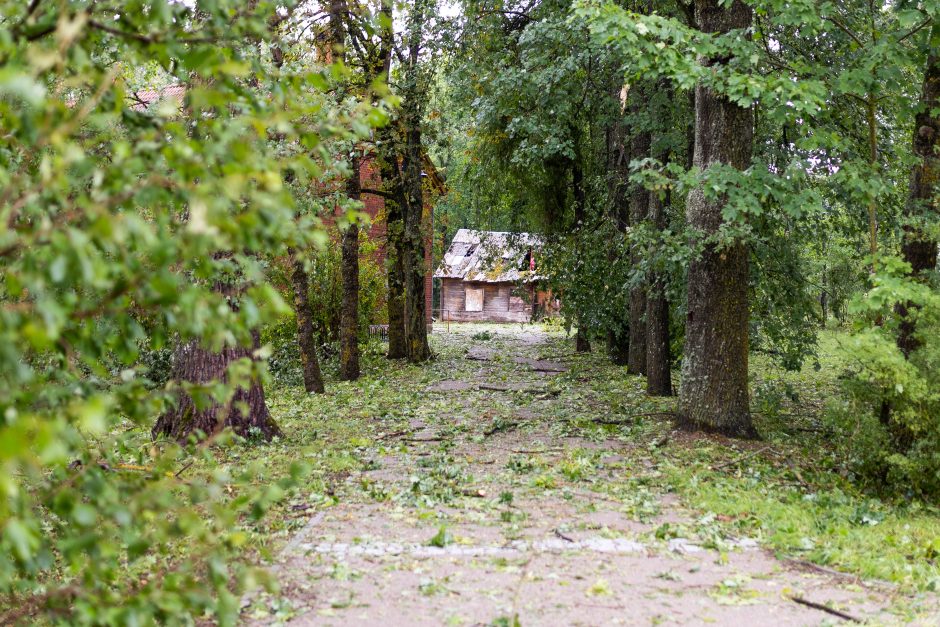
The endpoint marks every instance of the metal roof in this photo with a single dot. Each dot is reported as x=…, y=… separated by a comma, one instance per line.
x=488, y=257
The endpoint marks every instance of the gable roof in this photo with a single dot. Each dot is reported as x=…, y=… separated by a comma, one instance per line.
x=488, y=256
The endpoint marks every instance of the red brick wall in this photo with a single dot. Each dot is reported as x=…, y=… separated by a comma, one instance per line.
x=374, y=206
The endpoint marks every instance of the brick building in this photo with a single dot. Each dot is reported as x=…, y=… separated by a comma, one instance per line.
x=374, y=206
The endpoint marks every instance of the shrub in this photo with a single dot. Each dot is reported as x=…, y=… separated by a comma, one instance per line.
x=889, y=416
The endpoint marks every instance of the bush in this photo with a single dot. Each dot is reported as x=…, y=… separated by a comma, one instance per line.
x=890, y=412
x=326, y=294
x=121, y=223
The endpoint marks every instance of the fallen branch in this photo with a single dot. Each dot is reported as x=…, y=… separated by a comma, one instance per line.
x=821, y=569
x=607, y=421
x=498, y=427
x=506, y=388
x=738, y=460
x=394, y=434
x=825, y=608
x=474, y=357
x=562, y=536
x=183, y=469
x=434, y=439
x=523, y=451
x=870, y=583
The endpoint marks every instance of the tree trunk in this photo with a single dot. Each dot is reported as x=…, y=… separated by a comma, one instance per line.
x=581, y=342
x=349, y=312
x=306, y=341
x=416, y=327
x=246, y=414
x=639, y=208
x=714, y=392
x=618, y=175
x=387, y=149
x=918, y=247
x=658, y=362
x=416, y=319
x=394, y=261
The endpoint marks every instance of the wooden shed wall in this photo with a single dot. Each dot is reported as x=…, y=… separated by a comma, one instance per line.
x=499, y=305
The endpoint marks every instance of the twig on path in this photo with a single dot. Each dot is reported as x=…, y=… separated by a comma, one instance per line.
x=183, y=469
x=507, y=388
x=498, y=426
x=738, y=460
x=869, y=583
x=825, y=608
x=522, y=451
x=395, y=434
x=654, y=413
x=661, y=441
x=613, y=421
x=822, y=569
x=562, y=536
x=433, y=439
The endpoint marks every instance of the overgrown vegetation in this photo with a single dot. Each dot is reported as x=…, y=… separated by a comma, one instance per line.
x=738, y=201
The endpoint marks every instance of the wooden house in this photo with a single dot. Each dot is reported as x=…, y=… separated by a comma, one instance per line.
x=490, y=276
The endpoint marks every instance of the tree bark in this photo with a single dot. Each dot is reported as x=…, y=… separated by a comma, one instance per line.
x=714, y=392
x=388, y=161
x=306, y=340
x=582, y=343
x=349, y=313
x=918, y=248
x=658, y=361
x=394, y=256
x=246, y=414
x=618, y=175
x=416, y=326
x=639, y=209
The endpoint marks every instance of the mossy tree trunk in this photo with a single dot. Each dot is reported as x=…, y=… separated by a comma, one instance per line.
x=714, y=392
x=618, y=173
x=246, y=414
x=582, y=343
x=416, y=329
x=306, y=338
x=394, y=263
x=639, y=209
x=918, y=247
x=349, y=312
x=658, y=362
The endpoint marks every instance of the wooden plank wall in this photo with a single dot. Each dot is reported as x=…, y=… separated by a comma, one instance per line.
x=498, y=303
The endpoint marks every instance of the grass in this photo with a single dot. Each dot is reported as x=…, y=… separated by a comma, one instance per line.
x=791, y=491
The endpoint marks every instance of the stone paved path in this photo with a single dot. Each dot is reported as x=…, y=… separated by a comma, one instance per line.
x=458, y=522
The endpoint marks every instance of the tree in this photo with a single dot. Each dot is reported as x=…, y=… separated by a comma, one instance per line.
x=349, y=314
x=658, y=357
x=714, y=391
x=306, y=337
x=639, y=211
x=918, y=246
x=618, y=176
x=407, y=159
x=144, y=193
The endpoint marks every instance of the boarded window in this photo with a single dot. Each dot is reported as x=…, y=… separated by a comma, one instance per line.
x=474, y=300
